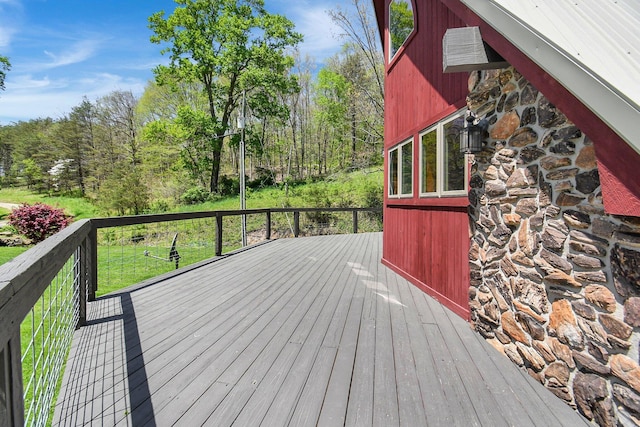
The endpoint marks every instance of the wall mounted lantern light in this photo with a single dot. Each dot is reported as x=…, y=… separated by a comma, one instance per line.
x=472, y=135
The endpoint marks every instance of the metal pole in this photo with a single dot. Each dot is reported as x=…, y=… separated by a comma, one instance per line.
x=243, y=203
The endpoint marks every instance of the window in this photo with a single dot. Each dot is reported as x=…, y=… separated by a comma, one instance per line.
x=401, y=170
x=401, y=24
x=443, y=168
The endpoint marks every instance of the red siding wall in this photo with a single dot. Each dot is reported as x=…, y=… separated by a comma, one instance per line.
x=430, y=247
x=426, y=240
x=417, y=93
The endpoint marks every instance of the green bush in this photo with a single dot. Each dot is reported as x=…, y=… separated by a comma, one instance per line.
x=194, y=196
x=264, y=178
x=159, y=206
x=228, y=186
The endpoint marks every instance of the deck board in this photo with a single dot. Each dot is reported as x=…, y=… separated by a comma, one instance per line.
x=296, y=332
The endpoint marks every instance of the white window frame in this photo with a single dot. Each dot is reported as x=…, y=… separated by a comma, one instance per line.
x=399, y=149
x=440, y=169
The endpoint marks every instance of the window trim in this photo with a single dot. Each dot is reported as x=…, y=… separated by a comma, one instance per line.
x=399, y=171
x=440, y=170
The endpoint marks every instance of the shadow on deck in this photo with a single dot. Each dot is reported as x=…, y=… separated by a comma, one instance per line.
x=300, y=332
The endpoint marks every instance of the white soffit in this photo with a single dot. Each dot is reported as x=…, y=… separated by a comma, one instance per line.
x=592, y=47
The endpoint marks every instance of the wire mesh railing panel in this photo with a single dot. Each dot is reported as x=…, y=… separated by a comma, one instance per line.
x=322, y=223
x=133, y=253
x=282, y=225
x=232, y=226
x=369, y=222
x=256, y=228
x=45, y=336
x=319, y=222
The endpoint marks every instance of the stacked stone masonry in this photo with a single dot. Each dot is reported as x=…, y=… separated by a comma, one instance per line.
x=555, y=280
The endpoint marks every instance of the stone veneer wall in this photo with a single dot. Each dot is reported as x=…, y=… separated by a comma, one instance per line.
x=555, y=281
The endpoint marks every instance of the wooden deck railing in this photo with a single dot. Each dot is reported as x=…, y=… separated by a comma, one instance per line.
x=52, y=283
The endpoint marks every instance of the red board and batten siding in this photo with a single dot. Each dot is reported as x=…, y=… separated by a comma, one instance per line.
x=426, y=240
x=430, y=247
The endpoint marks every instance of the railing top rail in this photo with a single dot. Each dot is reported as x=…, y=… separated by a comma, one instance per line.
x=24, y=278
x=325, y=209
x=118, y=221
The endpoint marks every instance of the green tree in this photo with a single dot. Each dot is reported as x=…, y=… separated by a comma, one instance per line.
x=32, y=173
x=360, y=29
x=6, y=157
x=161, y=102
x=193, y=129
x=81, y=147
x=117, y=114
x=33, y=141
x=332, y=108
x=5, y=66
x=124, y=191
x=75, y=142
x=163, y=166
x=361, y=63
x=229, y=46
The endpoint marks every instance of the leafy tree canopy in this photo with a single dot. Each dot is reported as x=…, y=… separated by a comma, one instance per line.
x=5, y=66
x=228, y=46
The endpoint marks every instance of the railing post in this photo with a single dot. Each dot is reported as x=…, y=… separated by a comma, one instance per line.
x=6, y=418
x=81, y=281
x=15, y=399
x=92, y=263
x=268, y=225
x=218, y=234
x=355, y=222
x=296, y=223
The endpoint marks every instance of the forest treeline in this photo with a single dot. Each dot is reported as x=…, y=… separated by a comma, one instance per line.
x=179, y=140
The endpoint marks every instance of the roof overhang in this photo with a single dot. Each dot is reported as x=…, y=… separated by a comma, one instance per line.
x=613, y=107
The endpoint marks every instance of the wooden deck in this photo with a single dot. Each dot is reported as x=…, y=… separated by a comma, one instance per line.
x=295, y=332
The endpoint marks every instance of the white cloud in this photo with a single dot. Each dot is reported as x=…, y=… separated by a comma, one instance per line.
x=76, y=53
x=319, y=31
x=10, y=16
x=27, y=82
x=311, y=19
x=29, y=98
x=5, y=35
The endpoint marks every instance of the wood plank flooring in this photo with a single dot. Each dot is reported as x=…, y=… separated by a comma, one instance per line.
x=295, y=332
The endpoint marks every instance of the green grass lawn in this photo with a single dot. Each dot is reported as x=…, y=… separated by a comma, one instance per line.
x=78, y=208
x=9, y=252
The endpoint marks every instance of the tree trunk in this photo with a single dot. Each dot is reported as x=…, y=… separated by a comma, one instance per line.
x=215, y=171
x=81, y=178
x=353, y=137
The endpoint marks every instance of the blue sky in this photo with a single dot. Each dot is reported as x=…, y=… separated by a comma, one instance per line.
x=62, y=50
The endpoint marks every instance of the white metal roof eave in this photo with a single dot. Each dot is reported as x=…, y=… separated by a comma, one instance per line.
x=620, y=113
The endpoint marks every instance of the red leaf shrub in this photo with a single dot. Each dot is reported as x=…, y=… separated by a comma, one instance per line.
x=38, y=221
